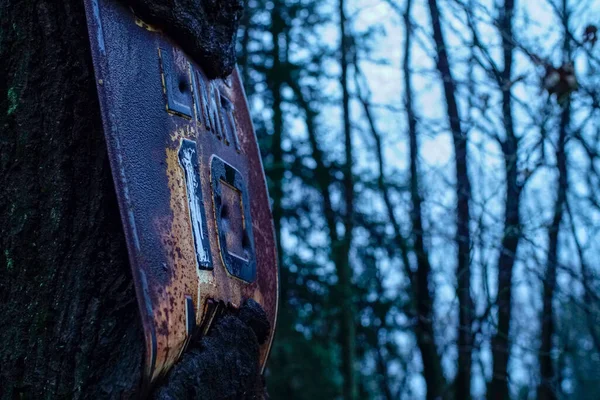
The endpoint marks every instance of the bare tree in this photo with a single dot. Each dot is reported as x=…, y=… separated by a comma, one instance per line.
x=342, y=253
x=463, y=196
x=548, y=388
x=512, y=222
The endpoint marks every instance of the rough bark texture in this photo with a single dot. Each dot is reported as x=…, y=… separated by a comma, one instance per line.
x=205, y=29
x=67, y=305
x=69, y=317
x=223, y=365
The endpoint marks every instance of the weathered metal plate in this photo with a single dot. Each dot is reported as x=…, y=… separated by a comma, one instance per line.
x=189, y=181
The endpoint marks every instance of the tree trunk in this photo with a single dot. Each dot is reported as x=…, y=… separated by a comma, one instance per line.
x=71, y=325
x=421, y=294
x=512, y=223
x=548, y=387
x=463, y=196
x=276, y=83
x=432, y=365
x=342, y=252
x=70, y=319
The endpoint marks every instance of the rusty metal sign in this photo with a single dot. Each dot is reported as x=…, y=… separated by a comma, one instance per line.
x=189, y=181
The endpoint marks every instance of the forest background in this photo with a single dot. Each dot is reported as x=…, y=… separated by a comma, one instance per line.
x=434, y=173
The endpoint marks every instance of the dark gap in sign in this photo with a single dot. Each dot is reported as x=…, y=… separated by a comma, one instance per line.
x=182, y=85
x=190, y=313
x=232, y=215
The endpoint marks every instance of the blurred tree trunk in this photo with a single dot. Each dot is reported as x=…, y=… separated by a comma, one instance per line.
x=512, y=223
x=424, y=292
x=463, y=197
x=381, y=361
x=342, y=249
x=401, y=241
x=276, y=78
x=549, y=386
x=324, y=181
x=421, y=300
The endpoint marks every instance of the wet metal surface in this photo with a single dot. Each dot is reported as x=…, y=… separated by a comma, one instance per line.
x=189, y=181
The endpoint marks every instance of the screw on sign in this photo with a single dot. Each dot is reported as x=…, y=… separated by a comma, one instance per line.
x=189, y=181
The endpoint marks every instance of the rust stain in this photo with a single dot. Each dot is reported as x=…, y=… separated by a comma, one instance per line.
x=177, y=241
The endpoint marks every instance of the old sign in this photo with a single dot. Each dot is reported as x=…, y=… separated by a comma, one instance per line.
x=189, y=181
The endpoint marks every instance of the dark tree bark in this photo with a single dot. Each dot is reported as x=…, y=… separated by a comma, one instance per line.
x=68, y=309
x=224, y=364
x=69, y=317
x=205, y=29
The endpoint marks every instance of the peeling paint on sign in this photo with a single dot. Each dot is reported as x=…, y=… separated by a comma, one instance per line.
x=188, y=159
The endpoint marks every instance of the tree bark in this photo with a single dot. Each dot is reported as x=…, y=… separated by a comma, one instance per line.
x=205, y=29
x=70, y=319
x=71, y=325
